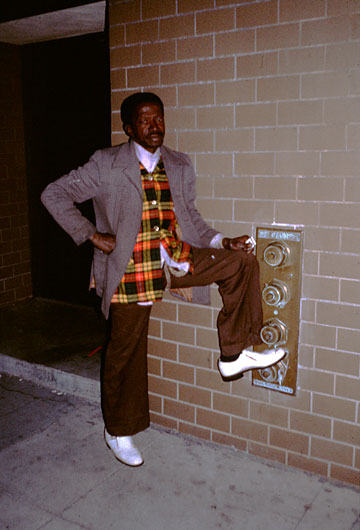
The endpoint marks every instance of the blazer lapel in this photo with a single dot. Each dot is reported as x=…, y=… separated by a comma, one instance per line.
x=174, y=171
x=127, y=162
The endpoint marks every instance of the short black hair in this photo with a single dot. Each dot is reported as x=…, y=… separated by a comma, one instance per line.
x=131, y=103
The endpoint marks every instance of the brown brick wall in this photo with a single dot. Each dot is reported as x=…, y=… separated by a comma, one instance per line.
x=265, y=97
x=15, y=272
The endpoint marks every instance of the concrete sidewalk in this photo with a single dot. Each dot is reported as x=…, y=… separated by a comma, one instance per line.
x=57, y=474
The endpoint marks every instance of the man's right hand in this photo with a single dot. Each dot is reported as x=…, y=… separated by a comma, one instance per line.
x=237, y=243
x=104, y=242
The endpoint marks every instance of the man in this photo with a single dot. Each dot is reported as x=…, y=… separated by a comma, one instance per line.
x=148, y=234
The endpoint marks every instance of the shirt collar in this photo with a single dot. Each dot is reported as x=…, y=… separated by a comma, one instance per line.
x=148, y=160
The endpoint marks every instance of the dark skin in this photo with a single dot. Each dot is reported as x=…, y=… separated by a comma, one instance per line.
x=237, y=243
x=148, y=130
x=104, y=242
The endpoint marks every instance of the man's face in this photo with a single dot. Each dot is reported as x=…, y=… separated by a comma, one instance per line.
x=147, y=127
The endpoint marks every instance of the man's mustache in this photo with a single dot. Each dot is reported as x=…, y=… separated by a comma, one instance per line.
x=158, y=133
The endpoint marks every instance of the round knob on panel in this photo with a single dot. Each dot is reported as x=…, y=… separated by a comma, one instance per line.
x=276, y=254
x=271, y=295
x=276, y=293
x=270, y=335
x=269, y=374
x=274, y=332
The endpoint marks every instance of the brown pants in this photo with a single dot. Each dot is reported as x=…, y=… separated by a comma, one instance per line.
x=124, y=387
x=124, y=383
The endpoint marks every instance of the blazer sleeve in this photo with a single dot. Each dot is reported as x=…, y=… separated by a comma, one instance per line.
x=60, y=196
x=205, y=231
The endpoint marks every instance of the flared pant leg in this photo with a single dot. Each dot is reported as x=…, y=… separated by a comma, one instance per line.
x=124, y=380
x=237, y=275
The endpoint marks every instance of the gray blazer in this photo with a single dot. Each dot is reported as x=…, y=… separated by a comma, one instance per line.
x=112, y=180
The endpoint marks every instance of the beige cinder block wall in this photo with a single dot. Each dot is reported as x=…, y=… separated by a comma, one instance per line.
x=265, y=97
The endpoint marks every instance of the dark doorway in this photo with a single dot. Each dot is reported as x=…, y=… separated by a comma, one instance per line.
x=67, y=117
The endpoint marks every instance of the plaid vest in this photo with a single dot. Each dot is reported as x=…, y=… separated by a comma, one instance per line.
x=143, y=280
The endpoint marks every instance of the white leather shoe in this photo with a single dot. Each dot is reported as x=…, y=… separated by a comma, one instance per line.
x=249, y=360
x=124, y=449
